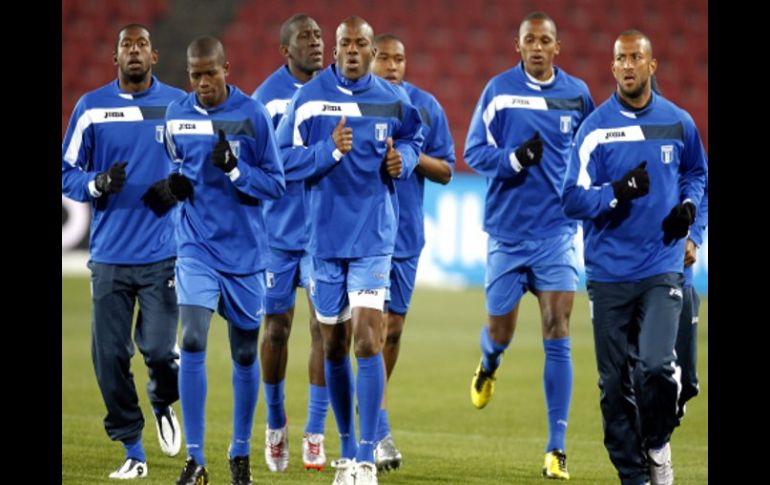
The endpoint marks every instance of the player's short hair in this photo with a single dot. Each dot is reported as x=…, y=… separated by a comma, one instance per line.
x=537, y=15
x=387, y=37
x=636, y=33
x=131, y=26
x=206, y=46
x=287, y=28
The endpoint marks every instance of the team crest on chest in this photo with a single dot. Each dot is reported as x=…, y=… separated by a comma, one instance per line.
x=667, y=153
x=565, y=124
x=159, y=133
x=380, y=131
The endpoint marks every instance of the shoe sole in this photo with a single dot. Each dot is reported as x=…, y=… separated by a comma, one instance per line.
x=310, y=466
x=390, y=465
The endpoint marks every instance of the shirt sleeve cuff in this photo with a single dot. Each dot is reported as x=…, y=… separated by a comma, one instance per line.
x=337, y=155
x=234, y=174
x=515, y=165
x=92, y=189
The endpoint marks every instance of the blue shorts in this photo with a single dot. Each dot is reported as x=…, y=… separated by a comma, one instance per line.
x=240, y=299
x=333, y=279
x=403, y=272
x=539, y=264
x=286, y=271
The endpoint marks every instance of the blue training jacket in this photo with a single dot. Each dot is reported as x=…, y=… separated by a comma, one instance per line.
x=438, y=143
x=526, y=205
x=353, y=208
x=222, y=224
x=696, y=231
x=285, y=217
x=109, y=125
x=624, y=242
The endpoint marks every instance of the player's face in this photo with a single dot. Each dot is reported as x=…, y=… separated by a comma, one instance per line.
x=306, y=47
x=538, y=46
x=207, y=77
x=633, y=65
x=390, y=61
x=134, y=55
x=354, y=51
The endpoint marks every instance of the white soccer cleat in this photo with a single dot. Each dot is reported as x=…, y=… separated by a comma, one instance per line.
x=661, y=470
x=277, y=449
x=345, y=474
x=366, y=473
x=130, y=469
x=386, y=455
x=169, y=432
x=313, y=453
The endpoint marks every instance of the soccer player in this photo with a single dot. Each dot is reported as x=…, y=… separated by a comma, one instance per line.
x=436, y=163
x=350, y=134
x=519, y=138
x=687, y=334
x=115, y=135
x=636, y=176
x=227, y=162
x=288, y=264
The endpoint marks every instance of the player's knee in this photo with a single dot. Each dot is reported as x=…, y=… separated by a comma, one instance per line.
x=367, y=347
x=244, y=355
x=394, y=335
x=277, y=330
x=158, y=355
x=334, y=349
x=192, y=340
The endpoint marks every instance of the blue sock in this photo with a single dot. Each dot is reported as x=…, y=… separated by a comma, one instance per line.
x=557, y=381
x=317, y=407
x=274, y=397
x=383, y=426
x=370, y=385
x=491, y=350
x=135, y=450
x=339, y=383
x=245, y=394
x=192, y=397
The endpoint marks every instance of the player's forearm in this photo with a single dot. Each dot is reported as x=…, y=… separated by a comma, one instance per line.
x=434, y=169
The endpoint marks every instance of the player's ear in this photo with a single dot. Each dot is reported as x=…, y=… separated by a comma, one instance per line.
x=334, y=53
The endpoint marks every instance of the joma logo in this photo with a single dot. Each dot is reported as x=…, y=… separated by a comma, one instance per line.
x=331, y=107
x=186, y=126
x=114, y=114
x=614, y=134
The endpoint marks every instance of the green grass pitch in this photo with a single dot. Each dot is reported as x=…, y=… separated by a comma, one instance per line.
x=443, y=438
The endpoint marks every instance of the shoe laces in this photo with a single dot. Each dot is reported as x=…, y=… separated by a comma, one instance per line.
x=562, y=460
x=313, y=448
x=481, y=377
x=239, y=468
x=276, y=445
x=188, y=471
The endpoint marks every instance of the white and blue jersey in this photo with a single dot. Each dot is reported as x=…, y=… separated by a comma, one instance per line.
x=624, y=242
x=438, y=143
x=222, y=223
x=109, y=125
x=525, y=205
x=284, y=216
x=353, y=209
x=696, y=231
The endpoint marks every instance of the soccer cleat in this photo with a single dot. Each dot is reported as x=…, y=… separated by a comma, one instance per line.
x=169, y=432
x=277, y=449
x=345, y=474
x=366, y=474
x=555, y=465
x=193, y=474
x=240, y=470
x=313, y=454
x=661, y=470
x=130, y=469
x=386, y=455
x=482, y=387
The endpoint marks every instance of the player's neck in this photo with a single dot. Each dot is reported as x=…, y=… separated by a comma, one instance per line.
x=637, y=103
x=135, y=87
x=299, y=74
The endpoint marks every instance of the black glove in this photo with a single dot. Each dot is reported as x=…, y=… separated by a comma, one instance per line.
x=530, y=152
x=159, y=197
x=223, y=157
x=677, y=223
x=113, y=179
x=180, y=186
x=635, y=183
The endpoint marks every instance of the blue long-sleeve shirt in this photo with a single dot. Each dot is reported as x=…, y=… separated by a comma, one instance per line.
x=109, y=125
x=222, y=224
x=525, y=204
x=284, y=216
x=352, y=203
x=438, y=143
x=696, y=231
x=625, y=242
